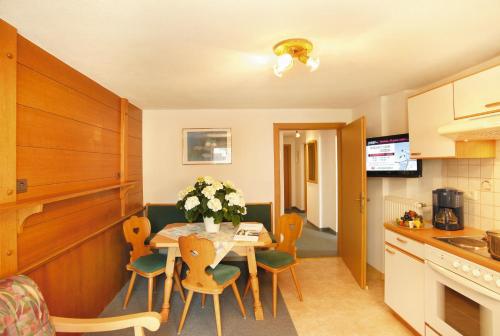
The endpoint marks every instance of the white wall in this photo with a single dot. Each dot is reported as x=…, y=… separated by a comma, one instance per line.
x=252, y=168
x=387, y=115
x=322, y=196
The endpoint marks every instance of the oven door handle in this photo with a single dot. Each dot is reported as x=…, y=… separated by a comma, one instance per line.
x=464, y=282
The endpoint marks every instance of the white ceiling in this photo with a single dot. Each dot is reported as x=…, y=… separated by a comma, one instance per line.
x=217, y=54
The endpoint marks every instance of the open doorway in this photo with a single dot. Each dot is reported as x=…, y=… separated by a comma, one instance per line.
x=310, y=188
x=351, y=183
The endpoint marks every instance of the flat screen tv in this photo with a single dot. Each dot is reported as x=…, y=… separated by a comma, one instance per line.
x=389, y=156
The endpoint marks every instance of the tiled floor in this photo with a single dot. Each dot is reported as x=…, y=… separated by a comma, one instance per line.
x=335, y=305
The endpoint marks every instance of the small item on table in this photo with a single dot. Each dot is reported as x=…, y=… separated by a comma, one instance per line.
x=411, y=220
x=248, y=232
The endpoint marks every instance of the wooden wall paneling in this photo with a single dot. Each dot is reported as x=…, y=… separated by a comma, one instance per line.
x=38, y=91
x=43, y=166
x=124, y=153
x=37, y=128
x=134, y=157
x=64, y=230
x=34, y=57
x=42, y=191
x=134, y=112
x=135, y=166
x=135, y=128
x=134, y=146
x=83, y=281
x=55, y=210
x=8, y=225
x=71, y=136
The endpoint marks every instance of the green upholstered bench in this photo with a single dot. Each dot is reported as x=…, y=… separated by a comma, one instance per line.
x=162, y=214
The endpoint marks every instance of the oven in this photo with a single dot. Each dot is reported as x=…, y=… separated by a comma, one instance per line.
x=461, y=298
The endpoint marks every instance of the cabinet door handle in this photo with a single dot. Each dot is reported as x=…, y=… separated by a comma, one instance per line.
x=492, y=104
x=401, y=240
x=390, y=251
x=416, y=153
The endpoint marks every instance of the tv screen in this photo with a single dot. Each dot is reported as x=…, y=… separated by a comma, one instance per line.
x=389, y=156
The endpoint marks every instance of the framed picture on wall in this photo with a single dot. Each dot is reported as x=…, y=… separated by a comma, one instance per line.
x=206, y=146
x=312, y=161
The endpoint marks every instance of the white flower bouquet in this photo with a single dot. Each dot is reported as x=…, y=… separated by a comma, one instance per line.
x=212, y=200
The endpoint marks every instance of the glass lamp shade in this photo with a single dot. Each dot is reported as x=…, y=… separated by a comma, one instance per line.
x=284, y=63
x=312, y=63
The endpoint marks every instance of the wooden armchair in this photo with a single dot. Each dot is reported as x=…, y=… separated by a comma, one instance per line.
x=142, y=260
x=284, y=256
x=23, y=311
x=198, y=254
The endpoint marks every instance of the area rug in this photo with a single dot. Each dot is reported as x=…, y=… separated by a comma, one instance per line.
x=201, y=321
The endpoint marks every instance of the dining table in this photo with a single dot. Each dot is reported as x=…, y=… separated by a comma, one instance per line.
x=239, y=248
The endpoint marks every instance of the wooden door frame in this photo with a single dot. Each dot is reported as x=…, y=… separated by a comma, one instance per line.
x=289, y=146
x=304, y=194
x=277, y=128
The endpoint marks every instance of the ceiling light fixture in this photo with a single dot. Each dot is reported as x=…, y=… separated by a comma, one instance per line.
x=289, y=49
x=297, y=134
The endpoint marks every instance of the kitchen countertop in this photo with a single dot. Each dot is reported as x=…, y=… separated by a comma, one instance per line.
x=426, y=236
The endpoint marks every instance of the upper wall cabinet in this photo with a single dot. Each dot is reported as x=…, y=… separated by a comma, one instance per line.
x=426, y=113
x=478, y=94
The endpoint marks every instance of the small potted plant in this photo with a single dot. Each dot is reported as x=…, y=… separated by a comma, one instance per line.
x=212, y=200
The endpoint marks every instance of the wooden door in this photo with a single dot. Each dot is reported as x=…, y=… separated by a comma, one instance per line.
x=352, y=230
x=287, y=174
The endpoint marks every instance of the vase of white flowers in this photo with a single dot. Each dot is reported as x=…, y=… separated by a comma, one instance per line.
x=212, y=200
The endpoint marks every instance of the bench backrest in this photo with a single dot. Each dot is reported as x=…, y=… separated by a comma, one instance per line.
x=162, y=214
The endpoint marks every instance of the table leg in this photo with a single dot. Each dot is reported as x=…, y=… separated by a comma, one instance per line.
x=252, y=268
x=169, y=272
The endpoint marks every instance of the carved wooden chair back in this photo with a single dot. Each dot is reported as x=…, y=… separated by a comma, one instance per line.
x=198, y=254
x=136, y=231
x=290, y=232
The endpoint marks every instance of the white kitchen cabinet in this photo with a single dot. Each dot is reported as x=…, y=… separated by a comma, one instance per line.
x=404, y=287
x=426, y=113
x=478, y=94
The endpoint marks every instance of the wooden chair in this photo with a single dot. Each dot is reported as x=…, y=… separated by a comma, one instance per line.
x=283, y=257
x=23, y=311
x=142, y=260
x=199, y=254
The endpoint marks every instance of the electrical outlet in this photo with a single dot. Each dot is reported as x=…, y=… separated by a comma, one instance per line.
x=21, y=186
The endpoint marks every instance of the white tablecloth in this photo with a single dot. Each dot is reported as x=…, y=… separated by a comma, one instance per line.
x=222, y=240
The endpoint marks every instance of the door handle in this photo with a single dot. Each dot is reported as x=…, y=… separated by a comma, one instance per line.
x=401, y=240
x=492, y=104
x=361, y=199
x=390, y=251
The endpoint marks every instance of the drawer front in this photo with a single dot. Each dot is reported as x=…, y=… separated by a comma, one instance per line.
x=409, y=245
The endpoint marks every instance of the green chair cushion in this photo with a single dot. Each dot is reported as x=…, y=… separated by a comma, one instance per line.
x=150, y=263
x=273, y=258
x=223, y=273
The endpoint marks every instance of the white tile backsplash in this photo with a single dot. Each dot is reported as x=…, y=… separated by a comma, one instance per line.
x=482, y=176
x=474, y=171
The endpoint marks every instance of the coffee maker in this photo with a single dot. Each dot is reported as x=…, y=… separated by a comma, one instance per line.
x=448, y=209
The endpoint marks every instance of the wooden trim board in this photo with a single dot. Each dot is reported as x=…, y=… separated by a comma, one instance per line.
x=8, y=117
